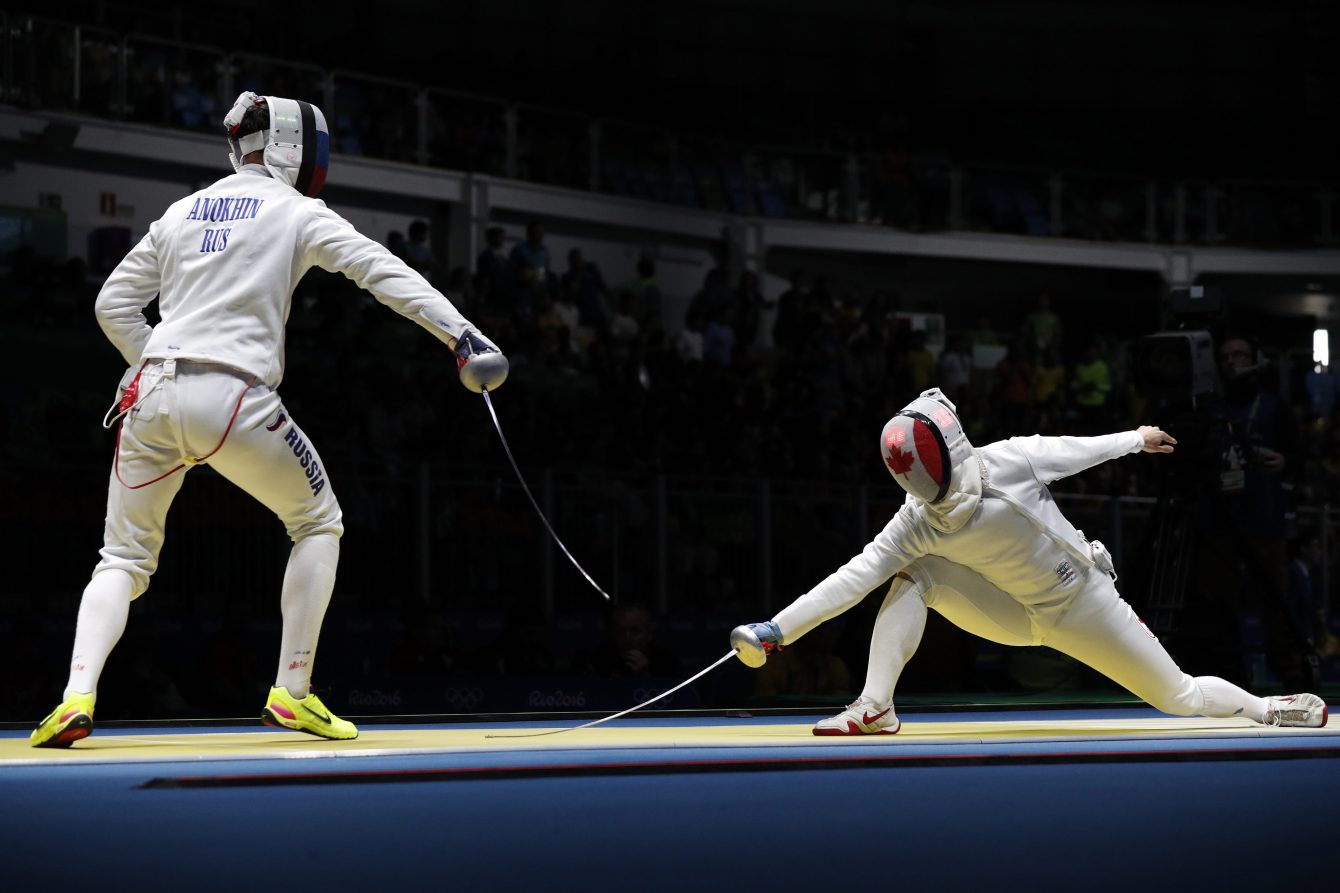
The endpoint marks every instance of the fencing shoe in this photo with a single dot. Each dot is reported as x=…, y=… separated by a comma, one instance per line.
x=1303, y=711
x=65, y=725
x=864, y=717
x=753, y=642
x=283, y=711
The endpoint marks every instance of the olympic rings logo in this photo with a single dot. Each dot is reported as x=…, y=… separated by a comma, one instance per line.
x=463, y=698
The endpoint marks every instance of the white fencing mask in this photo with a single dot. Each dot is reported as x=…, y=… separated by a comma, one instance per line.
x=296, y=145
x=928, y=454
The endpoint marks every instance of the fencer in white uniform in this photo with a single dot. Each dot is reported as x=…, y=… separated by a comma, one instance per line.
x=201, y=388
x=980, y=540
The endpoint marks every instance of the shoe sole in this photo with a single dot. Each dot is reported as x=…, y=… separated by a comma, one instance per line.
x=852, y=730
x=270, y=719
x=1325, y=718
x=80, y=727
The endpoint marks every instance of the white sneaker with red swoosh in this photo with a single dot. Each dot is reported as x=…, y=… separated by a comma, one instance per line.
x=864, y=717
x=1304, y=711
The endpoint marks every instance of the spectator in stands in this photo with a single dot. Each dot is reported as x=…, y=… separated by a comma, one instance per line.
x=1260, y=462
x=786, y=331
x=689, y=340
x=918, y=362
x=547, y=321
x=714, y=293
x=99, y=82
x=868, y=350
x=345, y=138
x=491, y=264
x=1306, y=607
x=1048, y=389
x=719, y=338
x=460, y=291
x=629, y=648
x=747, y=307
x=191, y=107
x=767, y=323
x=395, y=243
x=1042, y=327
x=645, y=306
x=529, y=263
x=623, y=326
x=955, y=369
x=984, y=334
x=820, y=309
x=565, y=308
x=1014, y=390
x=584, y=282
x=1090, y=385
x=1307, y=603
x=418, y=253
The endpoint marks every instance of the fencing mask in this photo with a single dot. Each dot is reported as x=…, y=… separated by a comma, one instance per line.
x=928, y=454
x=296, y=144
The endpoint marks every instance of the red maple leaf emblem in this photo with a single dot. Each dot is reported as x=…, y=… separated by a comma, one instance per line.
x=900, y=461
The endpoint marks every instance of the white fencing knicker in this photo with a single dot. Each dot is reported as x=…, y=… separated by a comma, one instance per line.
x=191, y=412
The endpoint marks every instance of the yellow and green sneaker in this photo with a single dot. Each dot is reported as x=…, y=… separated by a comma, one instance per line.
x=283, y=711
x=65, y=725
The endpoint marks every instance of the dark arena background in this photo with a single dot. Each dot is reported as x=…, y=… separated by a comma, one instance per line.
x=721, y=244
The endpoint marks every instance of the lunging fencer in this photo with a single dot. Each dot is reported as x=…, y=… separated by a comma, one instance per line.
x=980, y=540
x=201, y=387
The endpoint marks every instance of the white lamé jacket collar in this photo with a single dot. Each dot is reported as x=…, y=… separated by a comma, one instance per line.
x=959, y=504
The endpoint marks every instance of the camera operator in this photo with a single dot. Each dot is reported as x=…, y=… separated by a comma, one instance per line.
x=1245, y=548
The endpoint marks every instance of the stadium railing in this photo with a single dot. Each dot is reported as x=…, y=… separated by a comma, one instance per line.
x=63, y=67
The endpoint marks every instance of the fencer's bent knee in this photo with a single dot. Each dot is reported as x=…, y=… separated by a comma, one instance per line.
x=330, y=521
x=139, y=579
x=136, y=563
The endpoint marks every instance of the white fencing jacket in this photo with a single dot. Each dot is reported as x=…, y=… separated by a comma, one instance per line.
x=1017, y=538
x=224, y=262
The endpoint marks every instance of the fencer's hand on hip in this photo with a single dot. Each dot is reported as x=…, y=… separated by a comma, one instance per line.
x=482, y=365
x=1156, y=439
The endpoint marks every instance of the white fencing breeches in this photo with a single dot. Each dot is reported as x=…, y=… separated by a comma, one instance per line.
x=1098, y=629
x=200, y=411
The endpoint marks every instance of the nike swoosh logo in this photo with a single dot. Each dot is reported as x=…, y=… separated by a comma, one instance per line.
x=868, y=719
x=326, y=719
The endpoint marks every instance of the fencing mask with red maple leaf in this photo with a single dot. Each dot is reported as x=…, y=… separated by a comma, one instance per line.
x=928, y=454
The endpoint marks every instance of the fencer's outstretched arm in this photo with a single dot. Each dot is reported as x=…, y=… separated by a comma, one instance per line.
x=1054, y=458
x=901, y=542
x=331, y=243
x=120, y=303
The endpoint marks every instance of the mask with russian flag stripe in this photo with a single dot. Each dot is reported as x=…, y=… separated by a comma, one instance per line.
x=295, y=147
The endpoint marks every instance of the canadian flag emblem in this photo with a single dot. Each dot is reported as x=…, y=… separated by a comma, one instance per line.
x=900, y=461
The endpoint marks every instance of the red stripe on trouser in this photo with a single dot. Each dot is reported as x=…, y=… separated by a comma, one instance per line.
x=116, y=460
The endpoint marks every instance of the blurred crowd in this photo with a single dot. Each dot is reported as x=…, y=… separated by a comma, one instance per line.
x=610, y=375
x=889, y=171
